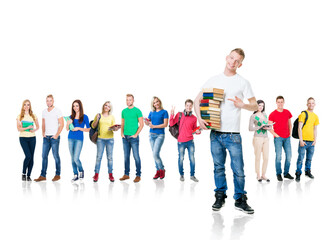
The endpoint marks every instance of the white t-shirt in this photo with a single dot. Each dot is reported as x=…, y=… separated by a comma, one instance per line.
x=233, y=86
x=51, y=121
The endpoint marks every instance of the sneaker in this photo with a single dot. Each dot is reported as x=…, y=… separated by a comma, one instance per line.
x=75, y=178
x=124, y=177
x=96, y=177
x=28, y=179
x=194, y=178
x=81, y=175
x=55, y=178
x=111, y=177
x=40, y=178
x=298, y=177
x=157, y=175
x=279, y=177
x=182, y=178
x=24, y=177
x=220, y=201
x=288, y=176
x=137, y=179
x=162, y=173
x=241, y=204
x=308, y=174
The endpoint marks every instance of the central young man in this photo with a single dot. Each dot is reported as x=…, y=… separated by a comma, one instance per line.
x=130, y=130
x=236, y=88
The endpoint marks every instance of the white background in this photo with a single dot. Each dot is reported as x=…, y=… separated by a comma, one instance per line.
x=102, y=50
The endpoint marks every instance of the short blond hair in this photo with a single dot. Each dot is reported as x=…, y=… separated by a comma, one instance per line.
x=49, y=96
x=130, y=95
x=240, y=52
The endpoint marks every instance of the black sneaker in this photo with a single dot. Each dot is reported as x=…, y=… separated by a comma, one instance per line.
x=28, y=179
x=241, y=204
x=288, y=176
x=220, y=201
x=308, y=173
x=24, y=177
x=279, y=177
x=298, y=177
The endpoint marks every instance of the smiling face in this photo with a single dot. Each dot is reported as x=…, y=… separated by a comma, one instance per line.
x=49, y=102
x=233, y=61
x=280, y=104
x=310, y=104
x=189, y=106
x=26, y=106
x=260, y=107
x=156, y=104
x=129, y=101
x=106, y=107
x=76, y=107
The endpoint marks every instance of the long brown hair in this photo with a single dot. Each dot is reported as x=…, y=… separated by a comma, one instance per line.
x=30, y=110
x=81, y=111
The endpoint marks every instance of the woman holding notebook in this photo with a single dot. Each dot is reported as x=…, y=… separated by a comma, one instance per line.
x=26, y=123
x=258, y=123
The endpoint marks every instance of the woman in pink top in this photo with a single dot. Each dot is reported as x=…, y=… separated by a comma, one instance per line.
x=188, y=124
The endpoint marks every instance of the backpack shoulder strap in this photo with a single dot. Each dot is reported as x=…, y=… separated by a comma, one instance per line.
x=306, y=117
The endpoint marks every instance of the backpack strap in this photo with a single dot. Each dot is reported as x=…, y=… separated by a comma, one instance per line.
x=306, y=118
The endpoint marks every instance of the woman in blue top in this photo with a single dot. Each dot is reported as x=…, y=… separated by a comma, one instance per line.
x=75, y=137
x=157, y=120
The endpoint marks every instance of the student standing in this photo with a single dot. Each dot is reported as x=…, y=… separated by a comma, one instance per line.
x=185, y=140
x=25, y=125
x=257, y=121
x=131, y=117
x=282, y=132
x=52, y=125
x=76, y=137
x=228, y=137
x=157, y=121
x=307, y=139
x=105, y=140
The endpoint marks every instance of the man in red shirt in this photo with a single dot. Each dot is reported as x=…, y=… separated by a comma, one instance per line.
x=185, y=140
x=282, y=132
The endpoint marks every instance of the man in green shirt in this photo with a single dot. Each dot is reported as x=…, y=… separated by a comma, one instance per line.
x=130, y=130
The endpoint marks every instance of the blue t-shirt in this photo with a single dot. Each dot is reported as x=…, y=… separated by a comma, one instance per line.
x=78, y=135
x=157, y=118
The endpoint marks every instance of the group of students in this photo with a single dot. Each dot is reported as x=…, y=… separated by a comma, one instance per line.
x=279, y=124
x=78, y=123
x=227, y=138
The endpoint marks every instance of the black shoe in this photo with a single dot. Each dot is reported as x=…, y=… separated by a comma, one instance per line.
x=298, y=177
x=288, y=176
x=28, y=179
x=279, y=177
x=220, y=201
x=241, y=204
x=24, y=177
x=308, y=173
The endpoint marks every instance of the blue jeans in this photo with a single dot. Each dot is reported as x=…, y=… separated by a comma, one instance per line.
x=182, y=146
x=75, y=147
x=48, y=143
x=220, y=142
x=285, y=143
x=28, y=145
x=109, y=145
x=156, y=141
x=309, y=149
x=128, y=144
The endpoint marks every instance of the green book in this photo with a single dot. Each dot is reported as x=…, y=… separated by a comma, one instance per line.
x=71, y=125
x=27, y=124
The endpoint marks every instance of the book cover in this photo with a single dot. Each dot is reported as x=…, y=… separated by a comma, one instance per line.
x=71, y=126
x=210, y=109
x=27, y=124
x=210, y=101
x=213, y=90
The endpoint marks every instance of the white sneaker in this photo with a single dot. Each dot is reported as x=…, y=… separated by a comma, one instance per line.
x=194, y=178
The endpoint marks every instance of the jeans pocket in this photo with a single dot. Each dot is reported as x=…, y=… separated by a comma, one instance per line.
x=236, y=138
x=212, y=135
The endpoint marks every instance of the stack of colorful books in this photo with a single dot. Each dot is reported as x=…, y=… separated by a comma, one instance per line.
x=210, y=106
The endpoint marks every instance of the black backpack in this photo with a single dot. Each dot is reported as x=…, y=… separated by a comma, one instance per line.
x=295, y=126
x=94, y=132
x=174, y=130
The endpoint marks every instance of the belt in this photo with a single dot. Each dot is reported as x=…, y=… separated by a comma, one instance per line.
x=226, y=132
